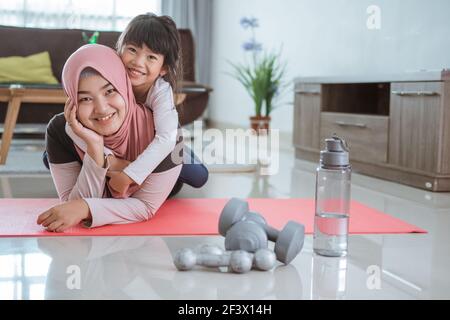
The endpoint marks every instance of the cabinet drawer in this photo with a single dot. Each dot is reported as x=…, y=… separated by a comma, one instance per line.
x=307, y=115
x=366, y=135
x=416, y=90
x=415, y=114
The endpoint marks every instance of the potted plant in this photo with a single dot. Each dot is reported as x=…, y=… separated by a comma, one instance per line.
x=261, y=77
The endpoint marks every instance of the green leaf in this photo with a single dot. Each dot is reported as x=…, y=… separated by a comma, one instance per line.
x=261, y=79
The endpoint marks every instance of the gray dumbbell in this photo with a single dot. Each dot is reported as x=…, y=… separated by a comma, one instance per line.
x=242, y=230
x=238, y=261
x=209, y=249
x=263, y=259
x=246, y=235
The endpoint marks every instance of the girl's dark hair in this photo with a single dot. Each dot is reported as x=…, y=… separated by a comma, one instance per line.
x=159, y=34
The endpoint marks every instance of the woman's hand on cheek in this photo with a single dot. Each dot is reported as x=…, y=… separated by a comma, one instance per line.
x=67, y=109
x=64, y=216
x=89, y=136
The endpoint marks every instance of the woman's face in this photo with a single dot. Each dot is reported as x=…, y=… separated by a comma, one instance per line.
x=100, y=107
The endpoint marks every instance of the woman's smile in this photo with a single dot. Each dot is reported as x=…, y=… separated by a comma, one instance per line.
x=105, y=119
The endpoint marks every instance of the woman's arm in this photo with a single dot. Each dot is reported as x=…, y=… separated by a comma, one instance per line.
x=73, y=178
x=80, y=142
x=97, y=211
x=94, y=141
x=74, y=181
x=82, y=204
x=141, y=206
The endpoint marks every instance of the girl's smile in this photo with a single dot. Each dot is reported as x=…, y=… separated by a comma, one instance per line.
x=133, y=72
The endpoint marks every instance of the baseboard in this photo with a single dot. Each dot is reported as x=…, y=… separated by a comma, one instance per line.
x=27, y=131
x=27, y=128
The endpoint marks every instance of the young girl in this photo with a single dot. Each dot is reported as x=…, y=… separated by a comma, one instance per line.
x=150, y=49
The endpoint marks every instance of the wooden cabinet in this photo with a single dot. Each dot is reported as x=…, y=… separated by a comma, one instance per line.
x=397, y=127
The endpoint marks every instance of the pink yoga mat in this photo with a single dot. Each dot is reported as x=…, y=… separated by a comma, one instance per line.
x=193, y=217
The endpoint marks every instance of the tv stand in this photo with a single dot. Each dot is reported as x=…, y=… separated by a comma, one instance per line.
x=397, y=126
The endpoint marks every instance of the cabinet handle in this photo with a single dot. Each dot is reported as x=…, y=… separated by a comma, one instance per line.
x=345, y=124
x=415, y=93
x=314, y=93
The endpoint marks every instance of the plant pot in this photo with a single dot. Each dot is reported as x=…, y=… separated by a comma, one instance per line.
x=260, y=124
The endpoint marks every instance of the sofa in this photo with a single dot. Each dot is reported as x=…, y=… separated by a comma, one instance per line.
x=61, y=43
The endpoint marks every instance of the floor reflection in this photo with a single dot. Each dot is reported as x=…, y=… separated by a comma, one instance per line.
x=23, y=276
x=142, y=268
x=328, y=278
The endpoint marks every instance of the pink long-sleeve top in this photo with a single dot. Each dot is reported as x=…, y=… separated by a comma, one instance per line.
x=84, y=179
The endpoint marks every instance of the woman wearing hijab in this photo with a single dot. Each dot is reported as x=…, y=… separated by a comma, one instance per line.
x=105, y=116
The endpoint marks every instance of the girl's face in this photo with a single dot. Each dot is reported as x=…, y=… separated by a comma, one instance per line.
x=143, y=65
x=100, y=107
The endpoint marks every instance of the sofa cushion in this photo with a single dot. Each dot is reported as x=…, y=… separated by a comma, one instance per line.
x=35, y=68
x=61, y=43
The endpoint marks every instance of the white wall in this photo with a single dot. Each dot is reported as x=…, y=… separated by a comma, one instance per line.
x=324, y=37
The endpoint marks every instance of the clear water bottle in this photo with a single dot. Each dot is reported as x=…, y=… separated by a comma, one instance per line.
x=329, y=278
x=333, y=182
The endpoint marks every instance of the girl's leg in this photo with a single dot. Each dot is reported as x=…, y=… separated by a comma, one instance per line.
x=193, y=172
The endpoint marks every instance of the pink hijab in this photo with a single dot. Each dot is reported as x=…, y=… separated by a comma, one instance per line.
x=137, y=130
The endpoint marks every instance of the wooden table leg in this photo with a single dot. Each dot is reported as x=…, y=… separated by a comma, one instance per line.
x=6, y=187
x=10, y=124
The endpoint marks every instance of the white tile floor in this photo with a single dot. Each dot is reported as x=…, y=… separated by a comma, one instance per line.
x=410, y=266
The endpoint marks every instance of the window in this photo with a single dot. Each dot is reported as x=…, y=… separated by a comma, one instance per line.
x=98, y=15
x=23, y=275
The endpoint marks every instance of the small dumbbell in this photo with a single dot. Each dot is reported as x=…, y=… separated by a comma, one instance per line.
x=239, y=261
x=249, y=231
x=209, y=249
x=263, y=259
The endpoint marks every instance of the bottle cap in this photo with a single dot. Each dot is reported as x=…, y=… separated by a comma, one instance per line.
x=335, y=153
